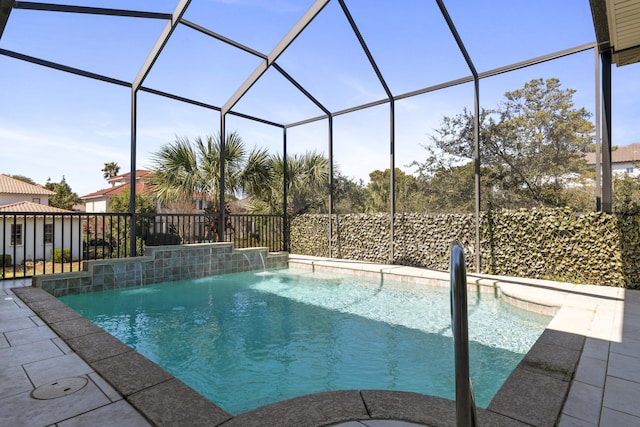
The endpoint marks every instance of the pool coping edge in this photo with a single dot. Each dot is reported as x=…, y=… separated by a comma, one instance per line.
x=548, y=379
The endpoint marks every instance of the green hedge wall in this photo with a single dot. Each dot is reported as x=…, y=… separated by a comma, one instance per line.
x=555, y=244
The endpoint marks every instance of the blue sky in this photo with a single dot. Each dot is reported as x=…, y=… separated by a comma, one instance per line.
x=54, y=124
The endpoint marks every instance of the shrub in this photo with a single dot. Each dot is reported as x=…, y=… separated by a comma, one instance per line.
x=5, y=261
x=161, y=239
x=61, y=255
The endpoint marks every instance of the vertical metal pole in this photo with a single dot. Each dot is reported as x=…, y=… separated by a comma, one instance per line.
x=392, y=178
x=476, y=159
x=598, y=194
x=221, y=189
x=465, y=401
x=285, y=177
x=607, y=199
x=331, y=206
x=132, y=177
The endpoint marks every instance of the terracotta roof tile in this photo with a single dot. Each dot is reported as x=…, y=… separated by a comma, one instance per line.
x=141, y=188
x=10, y=185
x=626, y=154
x=31, y=208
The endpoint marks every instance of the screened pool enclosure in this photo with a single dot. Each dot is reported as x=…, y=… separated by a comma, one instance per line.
x=350, y=78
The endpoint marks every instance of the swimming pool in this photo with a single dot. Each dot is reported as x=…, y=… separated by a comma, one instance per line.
x=246, y=340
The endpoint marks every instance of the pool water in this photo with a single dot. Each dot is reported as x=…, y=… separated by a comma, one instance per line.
x=246, y=340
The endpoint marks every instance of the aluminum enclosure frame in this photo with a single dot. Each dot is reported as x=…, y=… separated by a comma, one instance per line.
x=269, y=61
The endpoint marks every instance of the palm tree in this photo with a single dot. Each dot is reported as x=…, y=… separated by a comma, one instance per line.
x=110, y=170
x=183, y=168
x=307, y=184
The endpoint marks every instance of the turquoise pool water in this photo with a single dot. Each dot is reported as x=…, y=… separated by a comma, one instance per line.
x=247, y=340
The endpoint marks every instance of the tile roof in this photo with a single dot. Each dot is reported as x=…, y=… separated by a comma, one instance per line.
x=31, y=208
x=141, y=174
x=141, y=188
x=10, y=185
x=625, y=154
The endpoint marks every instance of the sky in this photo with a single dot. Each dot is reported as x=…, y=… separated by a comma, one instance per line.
x=54, y=124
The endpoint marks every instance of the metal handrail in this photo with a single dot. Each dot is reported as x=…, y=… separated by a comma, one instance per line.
x=465, y=401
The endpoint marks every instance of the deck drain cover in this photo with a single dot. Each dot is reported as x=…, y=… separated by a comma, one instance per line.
x=59, y=388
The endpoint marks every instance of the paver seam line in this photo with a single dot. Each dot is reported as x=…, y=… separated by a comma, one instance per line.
x=364, y=403
x=606, y=369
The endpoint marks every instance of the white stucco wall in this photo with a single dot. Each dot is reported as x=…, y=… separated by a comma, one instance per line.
x=66, y=235
x=9, y=198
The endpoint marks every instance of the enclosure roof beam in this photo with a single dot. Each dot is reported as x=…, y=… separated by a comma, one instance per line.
x=302, y=23
x=537, y=60
x=89, y=10
x=65, y=68
x=160, y=43
x=456, y=36
x=451, y=83
x=301, y=89
x=107, y=79
x=222, y=38
x=5, y=11
x=365, y=48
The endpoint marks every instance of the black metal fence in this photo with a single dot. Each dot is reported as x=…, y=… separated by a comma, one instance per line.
x=34, y=243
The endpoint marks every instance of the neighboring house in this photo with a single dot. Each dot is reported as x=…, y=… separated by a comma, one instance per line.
x=13, y=191
x=29, y=227
x=99, y=200
x=624, y=161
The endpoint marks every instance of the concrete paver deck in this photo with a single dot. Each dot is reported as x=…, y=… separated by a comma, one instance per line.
x=594, y=340
x=32, y=355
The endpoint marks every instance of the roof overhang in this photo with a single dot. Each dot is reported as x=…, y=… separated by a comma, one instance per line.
x=617, y=27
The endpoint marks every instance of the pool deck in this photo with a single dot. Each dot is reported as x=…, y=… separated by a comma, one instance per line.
x=583, y=371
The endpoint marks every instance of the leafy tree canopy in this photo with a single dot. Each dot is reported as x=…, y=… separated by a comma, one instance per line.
x=144, y=203
x=23, y=179
x=64, y=198
x=531, y=145
x=410, y=196
x=350, y=195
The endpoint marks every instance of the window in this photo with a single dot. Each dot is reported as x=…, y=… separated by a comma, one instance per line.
x=36, y=200
x=48, y=233
x=629, y=169
x=200, y=205
x=16, y=234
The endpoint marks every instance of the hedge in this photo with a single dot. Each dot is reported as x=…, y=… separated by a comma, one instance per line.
x=5, y=261
x=61, y=255
x=555, y=244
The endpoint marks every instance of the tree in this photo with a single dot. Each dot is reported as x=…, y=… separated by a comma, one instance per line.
x=350, y=196
x=531, y=145
x=64, y=198
x=182, y=168
x=110, y=170
x=410, y=195
x=144, y=203
x=23, y=179
x=119, y=240
x=307, y=184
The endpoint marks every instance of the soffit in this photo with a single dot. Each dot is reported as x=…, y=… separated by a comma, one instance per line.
x=617, y=24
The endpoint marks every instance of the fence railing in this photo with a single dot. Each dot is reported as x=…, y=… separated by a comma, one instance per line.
x=38, y=243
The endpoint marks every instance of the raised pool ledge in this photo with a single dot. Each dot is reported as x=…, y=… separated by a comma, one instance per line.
x=160, y=264
x=539, y=392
